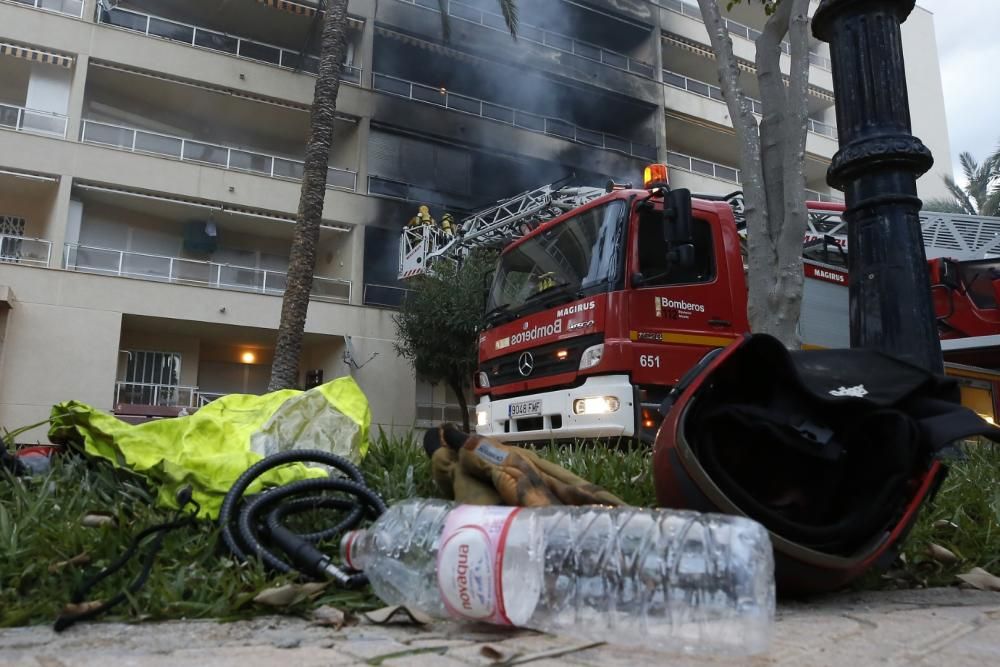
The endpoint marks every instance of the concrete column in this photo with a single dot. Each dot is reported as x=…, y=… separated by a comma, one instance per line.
x=358, y=265
x=58, y=220
x=367, y=9
x=89, y=10
x=77, y=90
x=660, y=120
x=364, y=130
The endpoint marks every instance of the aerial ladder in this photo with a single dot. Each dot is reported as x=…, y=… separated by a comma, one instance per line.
x=960, y=237
x=508, y=220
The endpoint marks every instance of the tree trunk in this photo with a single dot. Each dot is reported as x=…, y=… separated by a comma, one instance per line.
x=785, y=296
x=302, y=260
x=745, y=125
x=456, y=386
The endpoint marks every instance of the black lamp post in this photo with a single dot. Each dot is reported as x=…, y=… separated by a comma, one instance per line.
x=877, y=168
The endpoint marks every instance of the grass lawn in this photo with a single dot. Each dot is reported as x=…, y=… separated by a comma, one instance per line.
x=40, y=529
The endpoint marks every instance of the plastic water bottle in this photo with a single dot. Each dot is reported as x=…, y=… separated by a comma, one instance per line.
x=664, y=579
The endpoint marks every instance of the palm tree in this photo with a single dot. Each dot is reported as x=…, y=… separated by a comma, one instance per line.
x=302, y=259
x=981, y=194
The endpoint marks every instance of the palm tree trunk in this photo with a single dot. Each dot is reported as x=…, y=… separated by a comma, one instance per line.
x=302, y=261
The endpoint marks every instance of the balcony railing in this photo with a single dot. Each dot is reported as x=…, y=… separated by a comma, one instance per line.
x=163, y=395
x=730, y=174
x=688, y=9
x=509, y=116
x=384, y=296
x=33, y=121
x=177, y=270
x=68, y=7
x=189, y=150
x=530, y=33
x=27, y=251
x=704, y=167
x=697, y=87
x=175, y=31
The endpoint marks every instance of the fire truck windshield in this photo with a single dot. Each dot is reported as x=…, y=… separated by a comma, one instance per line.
x=572, y=258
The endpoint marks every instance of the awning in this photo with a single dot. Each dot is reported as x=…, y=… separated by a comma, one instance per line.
x=306, y=10
x=35, y=55
x=287, y=6
x=430, y=46
x=706, y=52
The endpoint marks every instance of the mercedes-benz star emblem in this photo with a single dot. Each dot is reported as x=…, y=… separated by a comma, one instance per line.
x=525, y=364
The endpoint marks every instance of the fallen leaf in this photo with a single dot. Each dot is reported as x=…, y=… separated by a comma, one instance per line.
x=79, y=559
x=289, y=594
x=97, y=520
x=492, y=653
x=328, y=616
x=552, y=653
x=979, y=578
x=387, y=614
x=940, y=554
x=75, y=609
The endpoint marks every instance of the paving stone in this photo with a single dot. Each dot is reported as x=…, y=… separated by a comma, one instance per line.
x=923, y=628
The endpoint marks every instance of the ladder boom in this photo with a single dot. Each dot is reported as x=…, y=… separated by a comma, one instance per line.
x=506, y=221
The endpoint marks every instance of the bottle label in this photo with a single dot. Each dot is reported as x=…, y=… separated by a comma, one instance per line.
x=470, y=562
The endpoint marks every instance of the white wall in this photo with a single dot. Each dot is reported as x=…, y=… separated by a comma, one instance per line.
x=48, y=88
x=927, y=111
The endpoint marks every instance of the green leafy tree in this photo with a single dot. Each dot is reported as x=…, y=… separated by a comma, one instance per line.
x=437, y=327
x=981, y=194
x=302, y=259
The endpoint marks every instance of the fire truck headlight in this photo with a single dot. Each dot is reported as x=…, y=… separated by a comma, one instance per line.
x=482, y=418
x=483, y=380
x=597, y=405
x=591, y=356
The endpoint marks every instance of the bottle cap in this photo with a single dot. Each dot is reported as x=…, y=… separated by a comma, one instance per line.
x=346, y=544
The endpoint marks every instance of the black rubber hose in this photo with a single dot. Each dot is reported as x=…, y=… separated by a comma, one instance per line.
x=254, y=526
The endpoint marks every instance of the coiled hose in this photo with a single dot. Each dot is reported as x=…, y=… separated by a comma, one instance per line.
x=253, y=526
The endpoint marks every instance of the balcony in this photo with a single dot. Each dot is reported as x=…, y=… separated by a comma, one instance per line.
x=212, y=40
x=72, y=8
x=687, y=8
x=703, y=89
x=728, y=174
x=32, y=121
x=197, y=273
x=467, y=12
x=25, y=251
x=509, y=116
x=225, y=157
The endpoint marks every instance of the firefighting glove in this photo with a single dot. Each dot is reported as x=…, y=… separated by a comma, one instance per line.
x=474, y=469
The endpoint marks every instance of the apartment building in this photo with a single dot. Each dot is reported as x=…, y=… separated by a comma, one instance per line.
x=150, y=153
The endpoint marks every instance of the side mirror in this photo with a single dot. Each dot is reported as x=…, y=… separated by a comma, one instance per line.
x=677, y=228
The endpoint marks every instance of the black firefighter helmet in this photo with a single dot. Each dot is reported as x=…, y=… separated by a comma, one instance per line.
x=833, y=451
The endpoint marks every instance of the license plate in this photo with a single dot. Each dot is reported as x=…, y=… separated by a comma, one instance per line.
x=526, y=409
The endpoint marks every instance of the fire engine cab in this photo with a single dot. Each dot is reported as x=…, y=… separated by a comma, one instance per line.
x=603, y=299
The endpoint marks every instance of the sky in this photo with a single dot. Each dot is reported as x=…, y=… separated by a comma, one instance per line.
x=968, y=41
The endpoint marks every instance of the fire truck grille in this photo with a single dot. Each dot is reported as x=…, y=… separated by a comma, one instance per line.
x=552, y=359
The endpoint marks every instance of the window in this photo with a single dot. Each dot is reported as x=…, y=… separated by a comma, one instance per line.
x=653, y=254
x=11, y=232
x=151, y=378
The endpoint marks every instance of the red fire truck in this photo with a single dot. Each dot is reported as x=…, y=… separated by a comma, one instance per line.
x=603, y=299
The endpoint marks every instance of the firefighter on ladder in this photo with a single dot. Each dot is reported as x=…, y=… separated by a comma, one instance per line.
x=423, y=217
x=448, y=227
